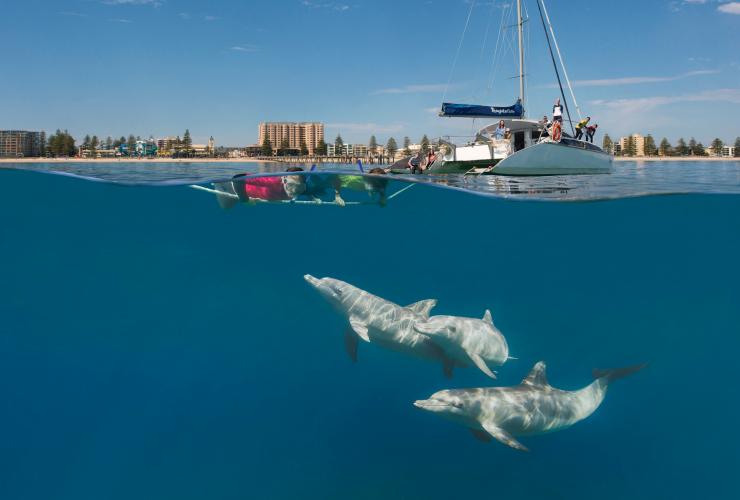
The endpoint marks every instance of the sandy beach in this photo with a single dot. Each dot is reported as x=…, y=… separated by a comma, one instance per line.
x=131, y=160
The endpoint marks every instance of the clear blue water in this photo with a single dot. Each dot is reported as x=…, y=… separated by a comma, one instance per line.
x=155, y=346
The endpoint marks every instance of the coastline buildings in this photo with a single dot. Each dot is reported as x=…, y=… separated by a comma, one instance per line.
x=728, y=152
x=308, y=133
x=353, y=150
x=18, y=143
x=639, y=144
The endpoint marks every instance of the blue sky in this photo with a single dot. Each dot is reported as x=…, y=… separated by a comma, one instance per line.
x=156, y=67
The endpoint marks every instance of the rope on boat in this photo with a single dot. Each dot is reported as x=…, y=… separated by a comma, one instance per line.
x=401, y=191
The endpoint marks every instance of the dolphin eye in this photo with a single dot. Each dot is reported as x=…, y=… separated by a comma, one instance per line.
x=459, y=406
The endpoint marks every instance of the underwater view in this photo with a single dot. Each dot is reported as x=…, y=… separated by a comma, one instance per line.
x=233, y=331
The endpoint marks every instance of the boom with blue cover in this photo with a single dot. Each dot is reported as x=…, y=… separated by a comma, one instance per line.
x=478, y=111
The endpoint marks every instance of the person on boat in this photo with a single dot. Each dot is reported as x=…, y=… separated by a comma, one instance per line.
x=430, y=159
x=580, y=126
x=415, y=163
x=590, y=132
x=500, y=131
x=557, y=111
x=545, y=124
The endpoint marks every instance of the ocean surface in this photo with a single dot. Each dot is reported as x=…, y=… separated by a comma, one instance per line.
x=156, y=346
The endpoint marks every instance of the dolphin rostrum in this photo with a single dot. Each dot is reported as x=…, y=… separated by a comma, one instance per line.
x=379, y=321
x=531, y=408
x=467, y=340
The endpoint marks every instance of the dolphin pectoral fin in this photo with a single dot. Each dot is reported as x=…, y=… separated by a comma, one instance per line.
x=350, y=343
x=504, y=437
x=481, y=365
x=423, y=307
x=481, y=435
x=360, y=329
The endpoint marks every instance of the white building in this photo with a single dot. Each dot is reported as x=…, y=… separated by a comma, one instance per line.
x=728, y=152
x=355, y=150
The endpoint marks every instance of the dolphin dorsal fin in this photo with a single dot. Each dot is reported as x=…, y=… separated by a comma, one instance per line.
x=537, y=376
x=423, y=307
x=487, y=317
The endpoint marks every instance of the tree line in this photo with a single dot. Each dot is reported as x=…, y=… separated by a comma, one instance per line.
x=322, y=148
x=682, y=148
x=61, y=143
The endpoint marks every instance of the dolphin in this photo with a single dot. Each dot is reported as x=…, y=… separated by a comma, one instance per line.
x=531, y=408
x=467, y=340
x=379, y=321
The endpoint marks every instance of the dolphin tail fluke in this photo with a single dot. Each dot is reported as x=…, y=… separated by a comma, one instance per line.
x=617, y=373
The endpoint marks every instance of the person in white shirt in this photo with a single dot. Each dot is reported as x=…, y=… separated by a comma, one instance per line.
x=557, y=111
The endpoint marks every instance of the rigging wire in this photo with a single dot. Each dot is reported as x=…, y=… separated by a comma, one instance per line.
x=459, y=47
x=562, y=64
x=485, y=41
x=555, y=65
x=501, y=41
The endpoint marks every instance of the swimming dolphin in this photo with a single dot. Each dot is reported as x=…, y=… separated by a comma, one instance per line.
x=378, y=321
x=531, y=408
x=467, y=340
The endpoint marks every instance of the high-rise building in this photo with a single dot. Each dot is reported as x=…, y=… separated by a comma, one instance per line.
x=639, y=144
x=295, y=133
x=17, y=143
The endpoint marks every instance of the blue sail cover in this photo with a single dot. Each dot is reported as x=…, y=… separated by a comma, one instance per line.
x=477, y=111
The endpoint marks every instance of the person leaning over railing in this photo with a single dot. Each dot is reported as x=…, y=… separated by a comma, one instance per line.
x=580, y=126
x=590, y=132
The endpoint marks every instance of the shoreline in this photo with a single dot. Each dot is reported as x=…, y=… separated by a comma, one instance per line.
x=673, y=158
x=131, y=160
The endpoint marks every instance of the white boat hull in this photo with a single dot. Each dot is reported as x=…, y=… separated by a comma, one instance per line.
x=568, y=157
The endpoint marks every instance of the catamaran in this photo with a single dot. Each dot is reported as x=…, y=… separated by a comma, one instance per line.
x=530, y=149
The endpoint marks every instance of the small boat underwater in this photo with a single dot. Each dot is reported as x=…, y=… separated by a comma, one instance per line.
x=530, y=147
x=298, y=187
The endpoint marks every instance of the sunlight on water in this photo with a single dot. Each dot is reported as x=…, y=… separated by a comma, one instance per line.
x=629, y=179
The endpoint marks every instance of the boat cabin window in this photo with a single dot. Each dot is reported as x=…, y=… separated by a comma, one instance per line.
x=519, y=141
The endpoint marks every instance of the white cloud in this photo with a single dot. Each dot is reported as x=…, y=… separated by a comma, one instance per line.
x=210, y=18
x=341, y=7
x=153, y=3
x=124, y=21
x=413, y=89
x=662, y=113
x=245, y=48
x=72, y=14
x=644, y=104
x=636, y=80
x=730, y=8
x=184, y=15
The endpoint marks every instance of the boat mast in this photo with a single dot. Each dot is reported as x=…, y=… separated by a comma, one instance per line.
x=521, y=50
